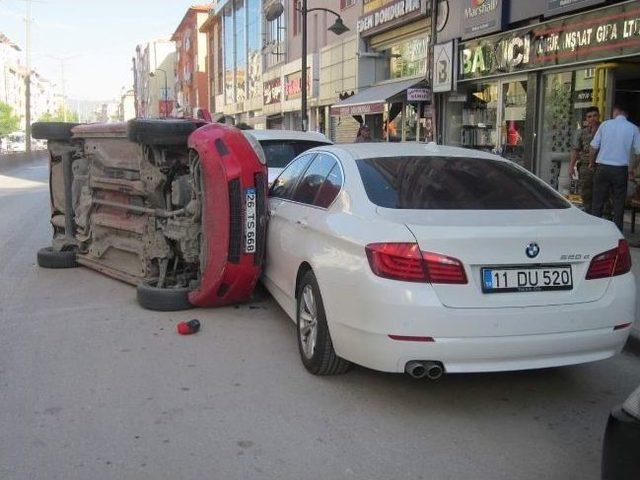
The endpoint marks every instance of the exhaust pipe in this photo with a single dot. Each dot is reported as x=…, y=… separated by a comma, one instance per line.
x=420, y=369
x=415, y=369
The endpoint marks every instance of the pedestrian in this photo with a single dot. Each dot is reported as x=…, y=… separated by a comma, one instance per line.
x=615, y=145
x=581, y=156
x=364, y=134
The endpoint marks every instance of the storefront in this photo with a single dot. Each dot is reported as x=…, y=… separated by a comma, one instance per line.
x=523, y=93
x=397, y=105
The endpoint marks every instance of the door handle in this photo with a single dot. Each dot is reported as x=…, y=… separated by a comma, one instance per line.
x=302, y=223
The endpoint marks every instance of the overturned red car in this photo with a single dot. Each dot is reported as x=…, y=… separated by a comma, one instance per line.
x=175, y=207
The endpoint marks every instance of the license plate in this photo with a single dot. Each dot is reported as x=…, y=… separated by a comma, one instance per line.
x=250, y=221
x=526, y=279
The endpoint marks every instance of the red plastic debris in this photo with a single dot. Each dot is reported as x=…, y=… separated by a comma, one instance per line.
x=188, y=328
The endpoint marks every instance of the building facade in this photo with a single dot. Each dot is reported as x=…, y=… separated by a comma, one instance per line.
x=191, y=80
x=154, y=67
x=527, y=71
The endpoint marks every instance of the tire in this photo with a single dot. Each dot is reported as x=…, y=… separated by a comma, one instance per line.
x=162, y=299
x=161, y=132
x=52, y=130
x=49, y=258
x=320, y=358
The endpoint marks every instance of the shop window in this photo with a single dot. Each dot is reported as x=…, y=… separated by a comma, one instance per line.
x=472, y=116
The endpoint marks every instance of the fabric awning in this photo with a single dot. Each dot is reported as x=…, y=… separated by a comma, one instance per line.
x=373, y=99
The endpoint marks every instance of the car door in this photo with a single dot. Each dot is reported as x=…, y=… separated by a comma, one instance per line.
x=302, y=219
x=280, y=226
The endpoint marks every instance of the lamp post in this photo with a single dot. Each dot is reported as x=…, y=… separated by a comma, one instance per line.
x=272, y=12
x=166, y=88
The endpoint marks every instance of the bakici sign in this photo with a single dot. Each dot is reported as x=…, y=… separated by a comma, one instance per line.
x=390, y=15
x=606, y=33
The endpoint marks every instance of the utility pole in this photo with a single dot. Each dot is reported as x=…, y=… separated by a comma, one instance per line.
x=27, y=80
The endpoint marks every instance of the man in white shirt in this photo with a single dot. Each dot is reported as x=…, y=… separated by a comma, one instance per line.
x=616, y=143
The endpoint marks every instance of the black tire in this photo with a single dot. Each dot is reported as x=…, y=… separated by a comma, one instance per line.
x=49, y=258
x=324, y=360
x=161, y=132
x=162, y=299
x=52, y=130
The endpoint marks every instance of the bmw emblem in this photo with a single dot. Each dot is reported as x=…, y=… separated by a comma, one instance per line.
x=532, y=250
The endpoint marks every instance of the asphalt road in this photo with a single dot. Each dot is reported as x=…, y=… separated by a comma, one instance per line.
x=94, y=387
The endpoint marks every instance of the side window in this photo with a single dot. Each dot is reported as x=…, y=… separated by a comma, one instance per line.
x=313, y=178
x=287, y=180
x=330, y=188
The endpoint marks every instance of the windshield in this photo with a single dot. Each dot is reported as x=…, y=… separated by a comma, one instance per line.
x=280, y=152
x=452, y=183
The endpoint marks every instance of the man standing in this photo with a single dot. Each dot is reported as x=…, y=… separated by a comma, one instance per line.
x=581, y=155
x=615, y=142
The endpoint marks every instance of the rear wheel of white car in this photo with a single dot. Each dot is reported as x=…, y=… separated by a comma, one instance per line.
x=314, y=340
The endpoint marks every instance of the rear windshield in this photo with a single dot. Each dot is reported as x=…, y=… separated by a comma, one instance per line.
x=280, y=152
x=452, y=183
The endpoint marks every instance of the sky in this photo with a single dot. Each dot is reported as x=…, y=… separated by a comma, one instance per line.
x=96, y=39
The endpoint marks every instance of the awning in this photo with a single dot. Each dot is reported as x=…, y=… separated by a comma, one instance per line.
x=373, y=99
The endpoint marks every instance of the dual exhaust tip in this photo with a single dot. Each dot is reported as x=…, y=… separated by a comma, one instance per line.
x=424, y=368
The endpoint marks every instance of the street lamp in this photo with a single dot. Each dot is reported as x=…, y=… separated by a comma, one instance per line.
x=166, y=88
x=273, y=11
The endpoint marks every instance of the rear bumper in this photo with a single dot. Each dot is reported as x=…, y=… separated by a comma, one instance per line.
x=483, y=354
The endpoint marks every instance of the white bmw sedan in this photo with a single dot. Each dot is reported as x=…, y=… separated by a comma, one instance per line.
x=426, y=259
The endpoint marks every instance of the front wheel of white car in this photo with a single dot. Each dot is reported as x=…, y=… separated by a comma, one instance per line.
x=314, y=340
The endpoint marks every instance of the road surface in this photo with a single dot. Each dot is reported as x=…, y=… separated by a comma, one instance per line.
x=94, y=387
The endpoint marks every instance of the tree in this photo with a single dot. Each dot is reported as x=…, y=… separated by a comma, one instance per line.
x=8, y=121
x=59, y=116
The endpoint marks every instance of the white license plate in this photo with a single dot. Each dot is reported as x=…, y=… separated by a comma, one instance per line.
x=526, y=279
x=250, y=220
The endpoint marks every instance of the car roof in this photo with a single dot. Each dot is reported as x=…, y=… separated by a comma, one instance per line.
x=261, y=135
x=411, y=149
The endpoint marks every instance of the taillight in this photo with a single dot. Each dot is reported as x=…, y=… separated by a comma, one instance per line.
x=405, y=261
x=398, y=261
x=611, y=263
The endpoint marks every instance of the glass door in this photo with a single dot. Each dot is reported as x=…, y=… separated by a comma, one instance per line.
x=512, y=119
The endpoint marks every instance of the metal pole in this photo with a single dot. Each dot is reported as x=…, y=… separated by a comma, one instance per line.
x=27, y=91
x=303, y=80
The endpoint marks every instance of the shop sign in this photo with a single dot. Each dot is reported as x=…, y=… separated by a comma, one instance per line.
x=554, y=7
x=293, y=85
x=444, y=66
x=362, y=109
x=389, y=15
x=272, y=91
x=480, y=17
x=610, y=32
x=418, y=95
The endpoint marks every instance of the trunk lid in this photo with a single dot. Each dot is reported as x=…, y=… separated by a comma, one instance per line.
x=481, y=238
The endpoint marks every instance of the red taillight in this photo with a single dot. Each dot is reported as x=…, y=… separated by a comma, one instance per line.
x=443, y=269
x=405, y=261
x=611, y=263
x=398, y=261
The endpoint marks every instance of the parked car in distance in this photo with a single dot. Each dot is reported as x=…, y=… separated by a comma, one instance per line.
x=621, y=445
x=15, y=142
x=282, y=146
x=419, y=258
x=176, y=207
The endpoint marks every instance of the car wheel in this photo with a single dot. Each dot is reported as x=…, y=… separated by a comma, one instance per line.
x=161, y=132
x=49, y=258
x=162, y=299
x=314, y=340
x=52, y=130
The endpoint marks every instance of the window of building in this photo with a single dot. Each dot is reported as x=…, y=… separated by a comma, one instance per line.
x=297, y=17
x=229, y=55
x=274, y=43
x=241, y=49
x=409, y=58
x=346, y=4
x=254, y=58
x=220, y=60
